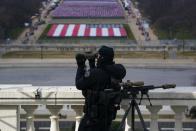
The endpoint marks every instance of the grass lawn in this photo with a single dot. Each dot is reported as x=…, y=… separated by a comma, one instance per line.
x=71, y=54
x=178, y=33
x=141, y=54
x=126, y=26
x=14, y=33
x=186, y=54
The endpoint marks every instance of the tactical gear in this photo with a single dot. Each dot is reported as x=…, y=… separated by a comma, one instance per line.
x=106, y=52
x=97, y=100
x=106, y=55
x=80, y=59
x=101, y=91
x=92, y=62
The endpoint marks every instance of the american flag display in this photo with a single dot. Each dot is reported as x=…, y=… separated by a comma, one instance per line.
x=85, y=9
x=87, y=30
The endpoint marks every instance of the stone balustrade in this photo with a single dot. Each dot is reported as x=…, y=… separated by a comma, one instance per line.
x=117, y=45
x=15, y=98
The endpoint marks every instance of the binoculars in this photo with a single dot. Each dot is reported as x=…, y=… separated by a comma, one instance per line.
x=89, y=55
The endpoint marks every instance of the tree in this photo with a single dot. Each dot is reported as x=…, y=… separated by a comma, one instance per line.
x=171, y=14
x=14, y=13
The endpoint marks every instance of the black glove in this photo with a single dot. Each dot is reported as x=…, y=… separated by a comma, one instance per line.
x=80, y=58
x=92, y=62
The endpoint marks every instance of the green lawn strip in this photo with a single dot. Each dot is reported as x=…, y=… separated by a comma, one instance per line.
x=162, y=34
x=71, y=54
x=186, y=54
x=177, y=33
x=129, y=32
x=45, y=32
x=37, y=54
x=141, y=54
x=14, y=33
x=44, y=35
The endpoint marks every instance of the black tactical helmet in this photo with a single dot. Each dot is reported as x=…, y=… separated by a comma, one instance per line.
x=107, y=53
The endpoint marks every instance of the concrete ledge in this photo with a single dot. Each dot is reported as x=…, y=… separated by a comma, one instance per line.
x=58, y=95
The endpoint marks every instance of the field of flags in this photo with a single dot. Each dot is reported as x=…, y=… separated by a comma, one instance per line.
x=85, y=9
x=91, y=0
x=69, y=9
x=87, y=30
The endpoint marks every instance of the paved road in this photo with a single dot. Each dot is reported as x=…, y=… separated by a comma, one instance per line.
x=66, y=76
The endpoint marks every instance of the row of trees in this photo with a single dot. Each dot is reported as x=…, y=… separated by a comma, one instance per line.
x=13, y=14
x=171, y=14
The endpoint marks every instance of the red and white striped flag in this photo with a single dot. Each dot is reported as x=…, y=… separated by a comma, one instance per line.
x=87, y=30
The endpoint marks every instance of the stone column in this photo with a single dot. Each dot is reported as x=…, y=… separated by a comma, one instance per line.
x=9, y=118
x=128, y=119
x=154, y=116
x=179, y=113
x=18, y=117
x=54, y=110
x=29, y=109
x=79, y=111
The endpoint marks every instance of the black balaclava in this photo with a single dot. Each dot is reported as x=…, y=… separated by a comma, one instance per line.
x=106, y=56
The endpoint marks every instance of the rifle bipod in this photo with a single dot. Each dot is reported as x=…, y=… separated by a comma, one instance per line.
x=132, y=106
x=131, y=90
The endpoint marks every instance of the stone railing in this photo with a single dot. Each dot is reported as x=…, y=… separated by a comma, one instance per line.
x=27, y=97
x=86, y=47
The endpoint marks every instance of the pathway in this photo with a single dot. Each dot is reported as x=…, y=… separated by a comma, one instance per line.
x=136, y=32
